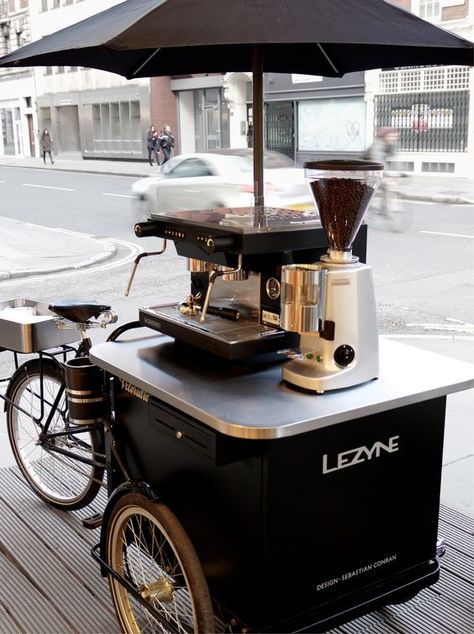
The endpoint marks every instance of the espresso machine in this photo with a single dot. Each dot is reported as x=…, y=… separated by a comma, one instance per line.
x=331, y=303
x=264, y=286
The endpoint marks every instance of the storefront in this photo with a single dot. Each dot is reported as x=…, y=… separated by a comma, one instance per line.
x=311, y=117
x=109, y=123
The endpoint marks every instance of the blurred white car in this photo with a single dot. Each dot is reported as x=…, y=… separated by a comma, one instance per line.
x=220, y=179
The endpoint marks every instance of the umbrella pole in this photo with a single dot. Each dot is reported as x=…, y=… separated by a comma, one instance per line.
x=257, y=115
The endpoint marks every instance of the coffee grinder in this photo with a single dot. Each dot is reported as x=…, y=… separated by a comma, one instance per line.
x=331, y=303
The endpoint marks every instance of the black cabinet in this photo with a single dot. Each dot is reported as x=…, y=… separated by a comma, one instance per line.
x=315, y=524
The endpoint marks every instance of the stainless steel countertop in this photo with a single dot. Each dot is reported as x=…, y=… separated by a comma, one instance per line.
x=255, y=404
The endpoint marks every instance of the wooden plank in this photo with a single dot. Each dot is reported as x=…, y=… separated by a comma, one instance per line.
x=454, y=589
x=54, y=575
x=457, y=539
x=457, y=563
x=38, y=615
x=7, y=623
x=54, y=529
x=451, y=516
x=55, y=557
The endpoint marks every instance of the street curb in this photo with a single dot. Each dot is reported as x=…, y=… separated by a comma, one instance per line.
x=101, y=257
x=448, y=200
x=108, y=250
x=78, y=171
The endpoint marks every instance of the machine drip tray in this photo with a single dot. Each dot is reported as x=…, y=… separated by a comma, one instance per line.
x=224, y=337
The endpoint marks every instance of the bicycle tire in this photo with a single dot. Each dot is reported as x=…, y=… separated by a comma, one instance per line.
x=146, y=544
x=63, y=482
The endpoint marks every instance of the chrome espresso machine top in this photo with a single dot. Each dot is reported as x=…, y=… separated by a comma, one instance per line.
x=262, y=278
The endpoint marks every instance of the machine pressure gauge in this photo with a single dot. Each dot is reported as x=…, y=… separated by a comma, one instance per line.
x=273, y=288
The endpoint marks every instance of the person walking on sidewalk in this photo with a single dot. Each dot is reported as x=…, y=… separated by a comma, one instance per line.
x=152, y=145
x=46, y=143
x=166, y=143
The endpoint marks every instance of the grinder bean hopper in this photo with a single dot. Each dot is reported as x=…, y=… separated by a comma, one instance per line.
x=331, y=303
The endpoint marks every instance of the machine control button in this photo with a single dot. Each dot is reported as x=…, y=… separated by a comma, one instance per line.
x=273, y=288
x=344, y=355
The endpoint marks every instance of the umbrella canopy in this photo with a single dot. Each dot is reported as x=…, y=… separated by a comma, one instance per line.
x=142, y=38
x=175, y=37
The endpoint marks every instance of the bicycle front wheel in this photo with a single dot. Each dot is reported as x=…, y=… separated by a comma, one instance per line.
x=148, y=547
x=61, y=480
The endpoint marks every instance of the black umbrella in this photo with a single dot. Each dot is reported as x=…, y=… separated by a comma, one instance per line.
x=144, y=38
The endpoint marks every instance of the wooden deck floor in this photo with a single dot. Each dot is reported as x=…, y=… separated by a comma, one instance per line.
x=50, y=583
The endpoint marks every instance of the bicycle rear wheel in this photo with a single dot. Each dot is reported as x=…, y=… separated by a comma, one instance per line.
x=146, y=545
x=61, y=480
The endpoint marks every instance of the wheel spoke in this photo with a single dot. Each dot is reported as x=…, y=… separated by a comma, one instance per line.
x=138, y=544
x=60, y=479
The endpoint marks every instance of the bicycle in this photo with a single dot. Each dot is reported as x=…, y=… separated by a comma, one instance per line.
x=62, y=462
x=388, y=210
x=155, y=577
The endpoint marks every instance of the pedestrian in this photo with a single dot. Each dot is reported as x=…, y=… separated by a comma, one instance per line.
x=152, y=145
x=382, y=149
x=46, y=143
x=166, y=143
x=384, y=145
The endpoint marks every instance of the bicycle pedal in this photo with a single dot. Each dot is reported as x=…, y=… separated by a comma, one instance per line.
x=94, y=521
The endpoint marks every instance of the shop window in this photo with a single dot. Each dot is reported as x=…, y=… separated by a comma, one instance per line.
x=135, y=122
x=445, y=168
x=125, y=119
x=45, y=118
x=116, y=128
x=331, y=125
x=430, y=9
x=6, y=125
x=115, y=121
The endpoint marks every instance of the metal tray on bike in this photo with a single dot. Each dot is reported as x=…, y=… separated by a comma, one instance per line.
x=29, y=326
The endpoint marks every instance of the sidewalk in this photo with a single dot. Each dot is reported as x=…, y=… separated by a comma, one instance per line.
x=29, y=249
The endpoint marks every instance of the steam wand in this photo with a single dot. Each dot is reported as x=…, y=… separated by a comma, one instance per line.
x=137, y=261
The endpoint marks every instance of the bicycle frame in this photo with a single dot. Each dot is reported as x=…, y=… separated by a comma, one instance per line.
x=72, y=430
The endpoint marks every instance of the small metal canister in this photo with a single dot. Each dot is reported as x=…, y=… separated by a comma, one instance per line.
x=302, y=297
x=86, y=398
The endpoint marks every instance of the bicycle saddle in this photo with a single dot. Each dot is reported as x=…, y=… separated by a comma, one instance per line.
x=77, y=311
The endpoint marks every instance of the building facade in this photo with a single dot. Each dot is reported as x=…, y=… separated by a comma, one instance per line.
x=88, y=112
x=309, y=117
x=430, y=107
x=102, y=115
x=17, y=90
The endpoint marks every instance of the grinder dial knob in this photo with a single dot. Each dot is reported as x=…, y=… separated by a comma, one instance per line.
x=344, y=355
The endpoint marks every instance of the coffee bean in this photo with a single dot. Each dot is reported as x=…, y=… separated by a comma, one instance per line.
x=342, y=203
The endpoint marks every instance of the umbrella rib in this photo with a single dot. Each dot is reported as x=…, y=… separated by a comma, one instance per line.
x=327, y=58
x=149, y=58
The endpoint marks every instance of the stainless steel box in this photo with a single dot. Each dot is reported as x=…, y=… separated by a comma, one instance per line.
x=29, y=326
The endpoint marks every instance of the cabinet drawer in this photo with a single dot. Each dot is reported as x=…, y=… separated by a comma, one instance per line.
x=191, y=435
